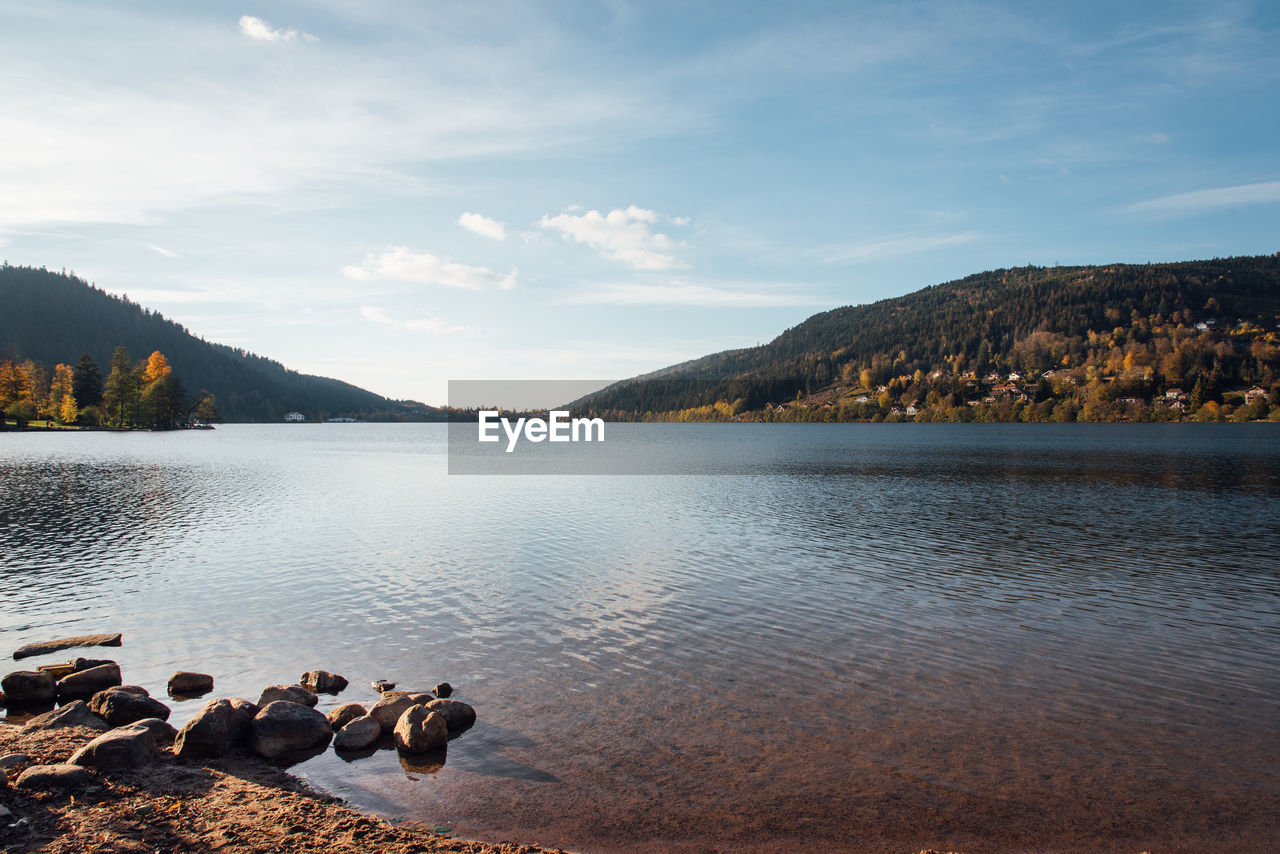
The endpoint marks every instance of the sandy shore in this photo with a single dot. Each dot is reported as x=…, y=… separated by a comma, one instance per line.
x=238, y=803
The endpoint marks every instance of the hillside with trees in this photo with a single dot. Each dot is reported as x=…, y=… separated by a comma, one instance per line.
x=1182, y=341
x=49, y=319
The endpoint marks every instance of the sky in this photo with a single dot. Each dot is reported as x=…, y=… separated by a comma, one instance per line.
x=403, y=194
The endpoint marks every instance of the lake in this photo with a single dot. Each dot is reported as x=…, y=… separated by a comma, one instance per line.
x=863, y=637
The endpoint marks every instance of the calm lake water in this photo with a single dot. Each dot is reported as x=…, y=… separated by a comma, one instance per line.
x=888, y=637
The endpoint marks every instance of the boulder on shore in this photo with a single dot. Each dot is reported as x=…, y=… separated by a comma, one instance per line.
x=28, y=686
x=284, y=727
x=120, y=706
x=289, y=693
x=75, y=713
x=346, y=713
x=457, y=715
x=75, y=665
x=124, y=747
x=323, y=682
x=420, y=729
x=54, y=778
x=358, y=734
x=187, y=684
x=66, y=643
x=242, y=715
x=209, y=733
x=393, y=704
x=83, y=684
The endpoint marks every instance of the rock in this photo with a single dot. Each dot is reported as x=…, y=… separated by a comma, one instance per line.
x=443, y=690
x=323, y=682
x=382, y=686
x=388, y=710
x=2, y=700
x=187, y=684
x=421, y=697
x=67, y=643
x=345, y=713
x=124, y=747
x=75, y=665
x=358, y=734
x=291, y=693
x=162, y=732
x=207, y=734
x=54, y=778
x=132, y=689
x=5, y=814
x=83, y=684
x=457, y=715
x=13, y=760
x=242, y=714
x=119, y=707
x=28, y=686
x=283, y=727
x=4, y=780
x=75, y=713
x=420, y=729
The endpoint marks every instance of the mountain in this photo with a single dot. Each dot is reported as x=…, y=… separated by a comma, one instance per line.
x=1115, y=333
x=53, y=317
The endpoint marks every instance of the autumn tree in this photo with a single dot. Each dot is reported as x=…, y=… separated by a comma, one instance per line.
x=62, y=401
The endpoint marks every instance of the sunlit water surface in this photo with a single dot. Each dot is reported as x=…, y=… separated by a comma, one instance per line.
x=888, y=637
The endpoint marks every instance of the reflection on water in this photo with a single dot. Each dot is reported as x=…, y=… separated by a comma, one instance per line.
x=975, y=637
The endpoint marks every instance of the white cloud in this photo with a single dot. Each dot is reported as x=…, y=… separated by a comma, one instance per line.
x=161, y=250
x=1198, y=201
x=622, y=235
x=427, y=324
x=687, y=294
x=483, y=226
x=258, y=29
x=895, y=245
x=402, y=264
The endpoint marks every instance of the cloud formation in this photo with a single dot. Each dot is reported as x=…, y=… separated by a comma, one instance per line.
x=402, y=264
x=1197, y=201
x=687, y=294
x=260, y=30
x=483, y=226
x=621, y=235
x=428, y=324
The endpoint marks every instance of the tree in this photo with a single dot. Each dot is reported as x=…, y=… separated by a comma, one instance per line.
x=157, y=368
x=120, y=394
x=207, y=408
x=163, y=402
x=62, y=401
x=87, y=383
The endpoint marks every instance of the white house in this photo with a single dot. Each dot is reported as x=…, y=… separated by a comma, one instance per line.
x=294, y=416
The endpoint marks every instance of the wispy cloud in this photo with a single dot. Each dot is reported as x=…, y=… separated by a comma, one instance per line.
x=895, y=245
x=1199, y=201
x=425, y=324
x=687, y=294
x=621, y=235
x=260, y=30
x=483, y=226
x=162, y=251
x=402, y=264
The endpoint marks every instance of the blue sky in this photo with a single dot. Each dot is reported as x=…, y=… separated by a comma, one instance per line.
x=399, y=194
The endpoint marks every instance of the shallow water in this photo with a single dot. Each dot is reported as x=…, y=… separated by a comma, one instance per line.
x=978, y=637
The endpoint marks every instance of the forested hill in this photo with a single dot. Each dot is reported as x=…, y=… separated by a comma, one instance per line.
x=53, y=317
x=1175, y=324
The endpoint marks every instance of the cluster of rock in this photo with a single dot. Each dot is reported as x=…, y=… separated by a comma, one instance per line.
x=283, y=723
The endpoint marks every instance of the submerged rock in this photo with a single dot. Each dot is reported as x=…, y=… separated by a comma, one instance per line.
x=67, y=643
x=443, y=690
x=187, y=684
x=358, y=734
x=29, y=686
x=54, y=778
x=83, y=684
x=290, y=693
x=323, y=682
x=284, y=727
x=420, y=729
x=382, y=686
x=76, y=713
x=345, y=713
x=120, y=706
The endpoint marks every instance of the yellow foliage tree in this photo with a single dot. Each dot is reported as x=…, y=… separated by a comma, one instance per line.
x=157, y=368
